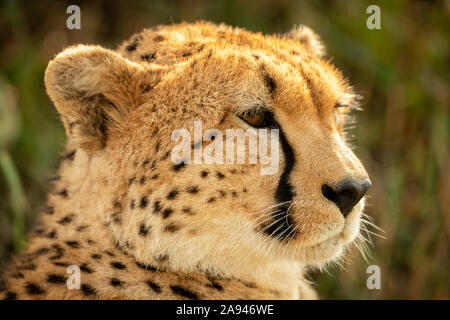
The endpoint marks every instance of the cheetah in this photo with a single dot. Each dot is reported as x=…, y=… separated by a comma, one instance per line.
x=138, y=225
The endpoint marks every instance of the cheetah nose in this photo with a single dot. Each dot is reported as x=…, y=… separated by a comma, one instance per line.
x=347, y=194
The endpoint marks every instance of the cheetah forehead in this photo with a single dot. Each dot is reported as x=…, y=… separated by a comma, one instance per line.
x=296, y=58
x=168, y=45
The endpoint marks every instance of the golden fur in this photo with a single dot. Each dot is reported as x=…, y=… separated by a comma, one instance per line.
x=142, y=228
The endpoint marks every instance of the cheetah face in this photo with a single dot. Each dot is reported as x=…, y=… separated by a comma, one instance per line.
x=121, y=109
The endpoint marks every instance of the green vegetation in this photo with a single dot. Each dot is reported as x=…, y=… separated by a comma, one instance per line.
x=402, y=71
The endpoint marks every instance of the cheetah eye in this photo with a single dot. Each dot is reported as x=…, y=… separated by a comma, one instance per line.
x=255, y=120
x=336, y=117
x=336, y=114
x=258, y=118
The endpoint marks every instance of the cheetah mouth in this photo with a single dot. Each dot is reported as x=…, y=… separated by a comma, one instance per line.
x=331, y=245
x=322, y=252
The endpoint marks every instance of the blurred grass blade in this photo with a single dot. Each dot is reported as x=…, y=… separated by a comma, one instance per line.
x=17, y=199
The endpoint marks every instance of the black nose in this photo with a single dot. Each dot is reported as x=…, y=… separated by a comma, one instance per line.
x=347, y=194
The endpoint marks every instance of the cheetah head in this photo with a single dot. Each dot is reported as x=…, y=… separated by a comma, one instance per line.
x=120, y=109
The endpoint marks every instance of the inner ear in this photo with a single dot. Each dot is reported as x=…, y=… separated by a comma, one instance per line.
x=91, y=125
x=93, y=89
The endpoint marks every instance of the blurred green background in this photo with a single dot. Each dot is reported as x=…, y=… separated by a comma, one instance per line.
x=402, y=70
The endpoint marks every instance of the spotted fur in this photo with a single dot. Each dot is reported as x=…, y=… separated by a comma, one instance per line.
x=141, y=227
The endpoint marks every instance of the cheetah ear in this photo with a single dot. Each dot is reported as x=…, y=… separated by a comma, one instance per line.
x=93, y=89
x=308, y=38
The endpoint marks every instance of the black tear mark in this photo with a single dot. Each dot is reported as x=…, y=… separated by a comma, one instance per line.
x=184, y=292
x=284, y=193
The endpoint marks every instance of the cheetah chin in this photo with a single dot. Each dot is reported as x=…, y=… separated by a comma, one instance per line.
x=129, y=223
